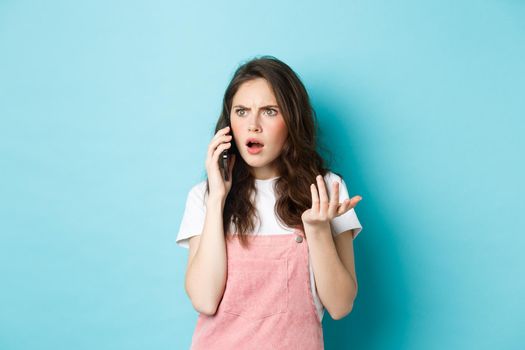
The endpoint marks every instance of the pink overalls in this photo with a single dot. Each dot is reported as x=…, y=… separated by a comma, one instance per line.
x=267, y=302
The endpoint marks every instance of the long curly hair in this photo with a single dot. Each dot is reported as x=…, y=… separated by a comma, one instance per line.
x=299, y=162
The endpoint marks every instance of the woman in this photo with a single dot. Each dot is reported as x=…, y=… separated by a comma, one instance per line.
x=271, y=247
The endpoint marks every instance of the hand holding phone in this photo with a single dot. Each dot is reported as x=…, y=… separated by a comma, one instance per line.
x=217, y=165
x=226, y=157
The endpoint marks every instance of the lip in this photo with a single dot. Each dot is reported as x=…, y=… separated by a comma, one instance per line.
x=254, y=150
x=253, y=139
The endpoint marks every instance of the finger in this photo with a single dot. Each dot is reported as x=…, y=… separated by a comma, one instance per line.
x=323, y=196
x=343, y=207
x=221, y=132
x=348, y=204
x=220, y=135
x=355, y=200
x=334, y=199
x=315, y=198
x=215, y=143
x=218, y=151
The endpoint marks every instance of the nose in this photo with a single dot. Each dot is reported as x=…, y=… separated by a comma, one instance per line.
x=253, y=128
x=253, y=124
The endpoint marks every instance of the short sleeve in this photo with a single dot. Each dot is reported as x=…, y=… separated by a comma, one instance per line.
x=349, y=220
x=194, y=215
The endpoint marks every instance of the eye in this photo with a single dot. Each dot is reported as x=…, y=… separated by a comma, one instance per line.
x=240, y=110
x=272, y=111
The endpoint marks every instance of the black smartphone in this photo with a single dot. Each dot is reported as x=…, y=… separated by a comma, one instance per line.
x=224, y=162
x=224, y=158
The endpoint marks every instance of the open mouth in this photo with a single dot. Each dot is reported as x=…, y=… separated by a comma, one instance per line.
x=254, y=145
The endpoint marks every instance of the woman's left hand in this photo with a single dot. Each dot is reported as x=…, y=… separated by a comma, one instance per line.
x=324, y=209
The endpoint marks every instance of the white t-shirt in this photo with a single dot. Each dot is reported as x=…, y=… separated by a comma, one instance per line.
x=195, y=212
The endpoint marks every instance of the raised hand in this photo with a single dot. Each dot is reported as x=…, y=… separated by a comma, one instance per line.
x=220, y=142
x=323, y=208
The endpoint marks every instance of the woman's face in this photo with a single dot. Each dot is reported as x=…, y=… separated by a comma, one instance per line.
x=256, y=115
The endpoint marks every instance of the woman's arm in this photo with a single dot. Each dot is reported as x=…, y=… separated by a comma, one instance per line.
x=336, y=283
x=334, y=274
x=206, y=270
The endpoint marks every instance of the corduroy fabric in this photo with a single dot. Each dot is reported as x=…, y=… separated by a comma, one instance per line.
x=267, y=302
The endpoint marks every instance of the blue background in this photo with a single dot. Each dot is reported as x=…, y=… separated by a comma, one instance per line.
x=106, y=112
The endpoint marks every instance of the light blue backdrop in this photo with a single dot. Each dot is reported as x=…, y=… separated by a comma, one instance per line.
x=106, y=112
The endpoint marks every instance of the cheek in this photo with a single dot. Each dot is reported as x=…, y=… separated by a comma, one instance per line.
x=235, y=126
x=236, y=130
x=280, y=131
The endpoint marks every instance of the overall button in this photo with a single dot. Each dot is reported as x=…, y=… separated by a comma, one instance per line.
x=298, y=239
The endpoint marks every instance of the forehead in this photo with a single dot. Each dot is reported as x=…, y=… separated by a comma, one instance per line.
x=256, y=91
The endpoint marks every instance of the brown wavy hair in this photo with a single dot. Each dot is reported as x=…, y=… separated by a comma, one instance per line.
x=299, y=162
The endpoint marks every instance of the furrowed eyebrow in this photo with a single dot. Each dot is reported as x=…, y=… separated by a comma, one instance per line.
x=268, y=106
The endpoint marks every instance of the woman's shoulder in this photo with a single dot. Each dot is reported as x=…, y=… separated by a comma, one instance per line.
x=198, y=190
x=332, y=176
x=199, y=187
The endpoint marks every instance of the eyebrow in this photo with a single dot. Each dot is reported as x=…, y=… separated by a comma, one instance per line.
x=267, y=106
